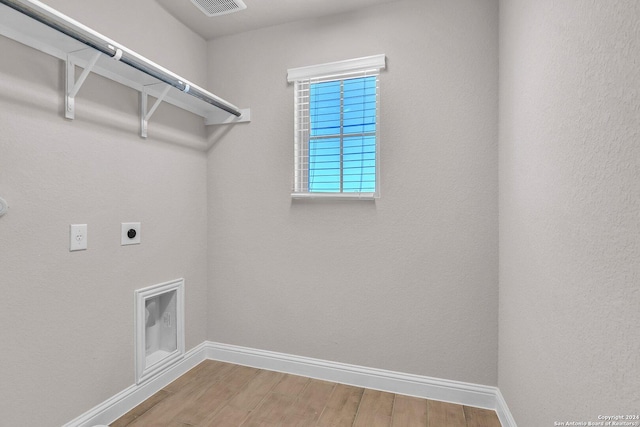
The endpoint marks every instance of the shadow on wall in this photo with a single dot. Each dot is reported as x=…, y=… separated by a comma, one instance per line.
x=100, y=102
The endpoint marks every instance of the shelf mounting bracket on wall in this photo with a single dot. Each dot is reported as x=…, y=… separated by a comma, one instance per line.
x=144, y=100
x=72, y=86
x=35, y=24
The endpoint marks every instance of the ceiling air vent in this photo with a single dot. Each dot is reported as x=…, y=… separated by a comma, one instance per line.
x=219, y=7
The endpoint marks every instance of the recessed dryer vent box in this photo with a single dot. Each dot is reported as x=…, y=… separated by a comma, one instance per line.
x=159, y=328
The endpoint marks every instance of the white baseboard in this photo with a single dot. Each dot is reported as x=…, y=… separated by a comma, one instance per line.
x=395, y=382
x=504, y=414
x=118, y=405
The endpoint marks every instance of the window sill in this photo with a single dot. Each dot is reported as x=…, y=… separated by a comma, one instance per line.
x=336, y=196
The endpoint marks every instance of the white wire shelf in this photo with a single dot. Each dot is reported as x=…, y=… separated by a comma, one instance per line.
x=181, y=93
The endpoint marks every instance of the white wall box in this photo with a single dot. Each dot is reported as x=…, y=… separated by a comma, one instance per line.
x=41, y=27
x=159, y=324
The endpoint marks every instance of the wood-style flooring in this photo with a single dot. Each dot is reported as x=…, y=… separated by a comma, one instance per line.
x=220, y=394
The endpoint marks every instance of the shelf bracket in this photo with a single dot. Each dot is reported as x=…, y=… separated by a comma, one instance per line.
x=72, y=86
x=146, y=115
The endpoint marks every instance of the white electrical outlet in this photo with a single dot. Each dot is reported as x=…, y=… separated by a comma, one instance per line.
x=77, y=237
x=130, y=233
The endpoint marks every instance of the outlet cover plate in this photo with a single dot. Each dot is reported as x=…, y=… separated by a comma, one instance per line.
x=77, y=237
x=124, y=235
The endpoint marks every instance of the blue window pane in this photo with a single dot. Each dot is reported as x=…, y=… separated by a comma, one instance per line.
x=324, y=146
x=324, y=108
x=322, y=187
x=337, y=161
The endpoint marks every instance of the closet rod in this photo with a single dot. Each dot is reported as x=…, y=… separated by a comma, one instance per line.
x=50, y=17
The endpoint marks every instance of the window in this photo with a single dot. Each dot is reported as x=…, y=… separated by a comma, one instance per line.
x=336, y=148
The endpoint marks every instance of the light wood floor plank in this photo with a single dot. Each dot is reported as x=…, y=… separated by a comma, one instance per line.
x=375, y=409
x=178, y=424
x=274, y=407
x=241, y=405
x=198, y=411
x=203, y=372
x=192, y=374
x=442, y=414
x=136, y=412
x=226, y=416
x=307, y=408
x=291, y=385
x=271, y=411
x=199, y=379
x=217, y=394
x=256, y=390
x=182, y=399
x=342, y=407
x=477, y=417
x=409, y=411
x=165, y=411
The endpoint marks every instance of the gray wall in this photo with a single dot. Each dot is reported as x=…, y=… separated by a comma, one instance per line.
x=67, y=317
x=408, y=283
x=145, y=27
x=569, y=209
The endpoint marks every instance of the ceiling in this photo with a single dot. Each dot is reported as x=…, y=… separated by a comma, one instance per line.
x=258, y=14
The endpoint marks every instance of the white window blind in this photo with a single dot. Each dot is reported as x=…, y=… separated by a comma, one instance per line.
x=336, y=149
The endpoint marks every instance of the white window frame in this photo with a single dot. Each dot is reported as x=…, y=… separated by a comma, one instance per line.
x=304, y=76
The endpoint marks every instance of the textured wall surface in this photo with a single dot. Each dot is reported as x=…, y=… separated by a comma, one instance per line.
x=569, y=209
x=407, y=283
x=145, y=27
x=67, y=317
